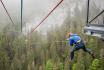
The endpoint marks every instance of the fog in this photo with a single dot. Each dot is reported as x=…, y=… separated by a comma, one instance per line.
x=35, y=10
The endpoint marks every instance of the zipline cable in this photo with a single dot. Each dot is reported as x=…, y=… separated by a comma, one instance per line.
x=46, y=16
x=97, y=16
x=50, y=42
x=7, y=12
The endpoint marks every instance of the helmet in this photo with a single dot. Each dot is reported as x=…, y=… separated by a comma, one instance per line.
x=68, y=34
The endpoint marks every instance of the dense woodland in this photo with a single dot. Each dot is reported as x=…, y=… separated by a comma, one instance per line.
x=51, y=51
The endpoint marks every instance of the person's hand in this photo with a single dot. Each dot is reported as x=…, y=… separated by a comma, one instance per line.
x=67, y=39
x=85, y=42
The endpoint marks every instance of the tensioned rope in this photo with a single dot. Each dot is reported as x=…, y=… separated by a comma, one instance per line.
x=7, y=12
x=97, y=16
x=65, y=41
x=46, y=16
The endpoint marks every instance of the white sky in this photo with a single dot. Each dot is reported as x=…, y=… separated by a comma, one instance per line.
x=41, y=10
x=35, y=10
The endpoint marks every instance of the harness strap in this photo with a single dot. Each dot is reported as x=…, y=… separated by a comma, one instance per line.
x=78, y=41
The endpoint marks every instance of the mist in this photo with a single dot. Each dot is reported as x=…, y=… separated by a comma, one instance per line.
x=35, y=10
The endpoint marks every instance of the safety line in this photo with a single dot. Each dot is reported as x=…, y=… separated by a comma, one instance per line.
x=97, y=16
x=49, y=42
x=46, y=16
x=7, y=12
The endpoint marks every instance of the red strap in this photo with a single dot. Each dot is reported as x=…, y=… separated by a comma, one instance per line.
x=46, y=16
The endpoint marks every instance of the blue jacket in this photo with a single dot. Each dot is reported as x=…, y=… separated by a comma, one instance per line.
x=73, y=39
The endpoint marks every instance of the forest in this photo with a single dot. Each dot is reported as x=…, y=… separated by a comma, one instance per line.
x=51, y=51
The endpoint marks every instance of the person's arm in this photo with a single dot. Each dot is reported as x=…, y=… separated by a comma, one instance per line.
x=71, y=41
x=67, y=39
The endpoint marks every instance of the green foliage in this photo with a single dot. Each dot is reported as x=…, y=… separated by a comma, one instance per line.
x=61, y=66
x=95, y=65
x=18, y=52
x=74, y=66
x=4, y=60
x=49, y=65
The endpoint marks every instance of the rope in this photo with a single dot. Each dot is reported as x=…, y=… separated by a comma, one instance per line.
x=46, y=16
x=7, y=12
x=49, y=42
x=21, y=13
x=97, y=16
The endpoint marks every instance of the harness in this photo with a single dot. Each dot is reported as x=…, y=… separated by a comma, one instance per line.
x=79, y=41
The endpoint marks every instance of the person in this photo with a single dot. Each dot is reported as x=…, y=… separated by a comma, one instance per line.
x=76, y=41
